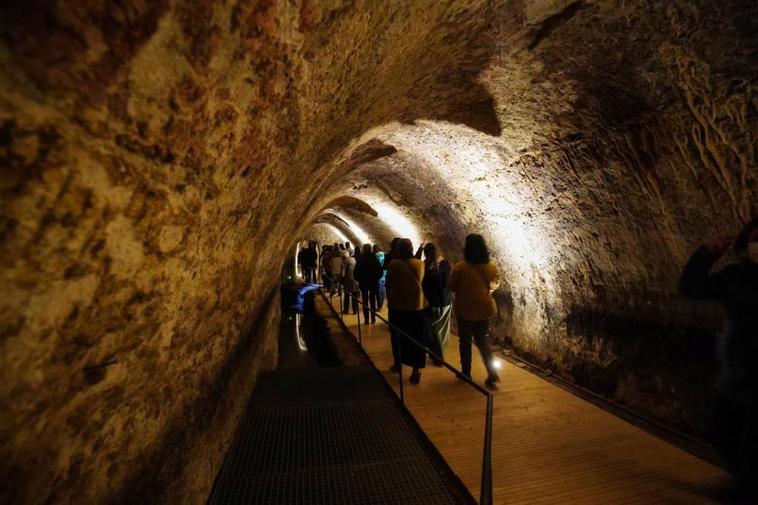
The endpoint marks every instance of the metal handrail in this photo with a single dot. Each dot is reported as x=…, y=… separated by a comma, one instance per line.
x=485, y=493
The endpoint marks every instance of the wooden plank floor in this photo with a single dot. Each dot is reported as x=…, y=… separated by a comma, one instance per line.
x=550, y=446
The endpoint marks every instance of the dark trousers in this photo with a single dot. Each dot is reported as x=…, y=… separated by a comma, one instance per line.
x=348, y=299
x=309, y=274
x=369, y=302
x=412, y=323
x=474, y=332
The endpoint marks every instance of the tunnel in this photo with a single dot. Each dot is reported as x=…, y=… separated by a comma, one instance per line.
x=163, y=160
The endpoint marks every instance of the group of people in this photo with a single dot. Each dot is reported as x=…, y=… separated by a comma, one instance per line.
x=419, y=296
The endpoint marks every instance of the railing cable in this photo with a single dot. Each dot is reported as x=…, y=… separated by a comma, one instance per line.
x=485, y=496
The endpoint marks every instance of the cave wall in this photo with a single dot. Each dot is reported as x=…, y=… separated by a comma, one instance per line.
x=650, y=151
x=627, y=138
x=159, y=158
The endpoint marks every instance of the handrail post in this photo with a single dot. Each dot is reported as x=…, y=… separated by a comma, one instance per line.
x=339, y=311
x=358, y=315
x=400, y=366
x=485, y=494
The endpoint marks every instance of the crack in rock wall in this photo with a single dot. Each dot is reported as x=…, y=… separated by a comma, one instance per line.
x=159, y=159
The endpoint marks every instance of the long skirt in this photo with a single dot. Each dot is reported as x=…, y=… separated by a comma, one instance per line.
x=413, y=324
x=438, y=320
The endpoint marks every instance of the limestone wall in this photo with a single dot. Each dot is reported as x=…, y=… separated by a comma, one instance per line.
x=159, y=159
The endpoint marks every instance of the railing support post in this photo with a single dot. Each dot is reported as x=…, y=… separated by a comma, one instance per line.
x=400, y=366
x=358, y=315
x=339, y=311
x=485, y=494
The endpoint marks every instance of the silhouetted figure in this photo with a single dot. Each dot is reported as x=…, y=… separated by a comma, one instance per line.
x=406, y=301
x=734, y=422
x=310, y=261
x=349, y=248
x=380, y=289
x=368, y=273
x=473, y=280
x=436, y=276
x=392, y=254
x=349, y=284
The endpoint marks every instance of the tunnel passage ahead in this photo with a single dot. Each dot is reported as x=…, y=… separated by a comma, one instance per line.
x=158, y=158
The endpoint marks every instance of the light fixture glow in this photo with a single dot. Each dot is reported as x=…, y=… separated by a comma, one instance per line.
x=340, y=236
x=397, y=221
x=357, y=230
x=496, y=363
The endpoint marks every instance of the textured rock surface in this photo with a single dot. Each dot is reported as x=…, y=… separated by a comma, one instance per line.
x=158, y=158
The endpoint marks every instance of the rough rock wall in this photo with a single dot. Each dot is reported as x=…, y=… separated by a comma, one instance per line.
x=649, y=151
x=137, y=303
x=159, y=158
x=627, y=138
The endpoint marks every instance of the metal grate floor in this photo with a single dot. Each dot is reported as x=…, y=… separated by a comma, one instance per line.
x=333, y=452
x=399, y=481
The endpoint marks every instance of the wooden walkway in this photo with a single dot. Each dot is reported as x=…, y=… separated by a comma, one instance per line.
x=550, y=446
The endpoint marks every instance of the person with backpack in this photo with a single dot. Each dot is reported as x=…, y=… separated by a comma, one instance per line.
x=368, y=273
x=473, y=280
x=406, y=302
x=436, y=275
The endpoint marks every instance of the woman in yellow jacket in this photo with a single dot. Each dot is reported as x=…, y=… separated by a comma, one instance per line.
x=473, y=280
x=406, y=303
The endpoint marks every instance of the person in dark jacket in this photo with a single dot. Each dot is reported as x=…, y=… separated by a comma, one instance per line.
x=436, y=275
x=734, y=422
x=388, y=257
x=392, y=254
x=310, y=262
x=368, y=272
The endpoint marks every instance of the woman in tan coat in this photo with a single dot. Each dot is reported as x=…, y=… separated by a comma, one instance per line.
x=473, y=280
x=406, y=303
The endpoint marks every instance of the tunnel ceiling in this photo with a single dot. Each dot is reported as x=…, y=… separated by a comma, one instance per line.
x=159, y=157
